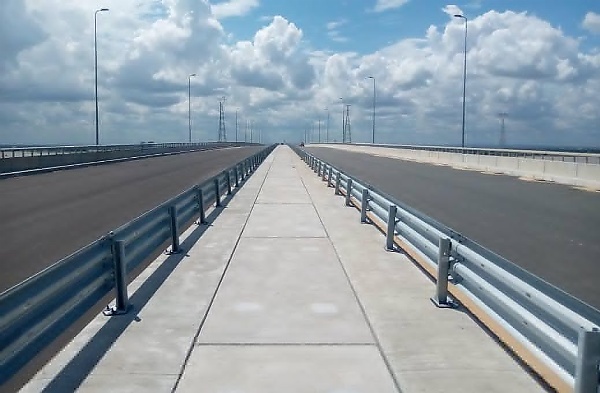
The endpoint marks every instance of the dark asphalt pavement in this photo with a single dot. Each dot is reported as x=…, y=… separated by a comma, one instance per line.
x=46, y=217
x=551, y=230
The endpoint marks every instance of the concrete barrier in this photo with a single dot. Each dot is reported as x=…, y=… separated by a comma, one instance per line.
x=570, y=173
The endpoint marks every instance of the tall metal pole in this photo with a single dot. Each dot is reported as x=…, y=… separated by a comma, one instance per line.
x=190, y=106
x=236, y=125
x=343, y=124
x=373, y=137
x=327, y=127
x=96, y=70
x=464, y=78
x=319, y=128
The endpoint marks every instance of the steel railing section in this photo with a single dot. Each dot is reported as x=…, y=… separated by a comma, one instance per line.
x=34, y=151
x=556, y=334
x=564, y=156
x=36, y=311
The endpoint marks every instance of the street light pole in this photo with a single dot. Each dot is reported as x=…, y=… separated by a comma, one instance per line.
x=190, y=106
x=327, y=127
x=236, y=125
x=96, y=70
x=319, y=128
x=343, y=125
x=464, y=78
x=373, y=138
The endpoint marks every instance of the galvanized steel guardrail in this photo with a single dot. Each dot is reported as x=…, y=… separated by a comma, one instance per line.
x=556, y=334
x=35, y=151
x=35, y=312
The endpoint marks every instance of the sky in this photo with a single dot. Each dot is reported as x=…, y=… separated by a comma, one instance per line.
x=287, y=68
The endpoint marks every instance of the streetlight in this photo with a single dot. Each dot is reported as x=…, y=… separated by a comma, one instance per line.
x=343, y=125
x=190, y=105
x=327, y=127
x=372, y=77
x=464, y=78
x=319, y=128
x=96, y=71
x=236, y=125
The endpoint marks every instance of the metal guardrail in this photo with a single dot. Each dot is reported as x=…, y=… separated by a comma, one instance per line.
x=145, y=148
x=554, y=333
x=34, y=312
x=581, y=157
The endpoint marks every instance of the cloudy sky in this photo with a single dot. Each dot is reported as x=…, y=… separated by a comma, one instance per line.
x=284, y=65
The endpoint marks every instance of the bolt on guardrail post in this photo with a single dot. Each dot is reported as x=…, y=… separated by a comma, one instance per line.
x=175, y=248
x=587, y=375
x=441, y=289
x=348, y=192
x=228, y=175
x=217, y=193
x=329, y=176
x=363, y=205
x=120, y=274
x=338, y=181
x=391, y=228
x=200, y=196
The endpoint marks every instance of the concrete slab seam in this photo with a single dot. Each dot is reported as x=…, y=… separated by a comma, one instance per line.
x=212, y=300
x=360, y=305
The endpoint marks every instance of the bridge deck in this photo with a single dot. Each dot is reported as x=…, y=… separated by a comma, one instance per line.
x=284, y=291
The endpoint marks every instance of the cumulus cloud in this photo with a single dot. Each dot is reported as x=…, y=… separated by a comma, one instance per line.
x=591, y=22
x=233, y=8
x=546, y=80
x=383, y=5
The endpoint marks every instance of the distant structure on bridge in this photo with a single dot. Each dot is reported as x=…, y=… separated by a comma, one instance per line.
x=347, y=132
x=222, y=132
x=502, y=116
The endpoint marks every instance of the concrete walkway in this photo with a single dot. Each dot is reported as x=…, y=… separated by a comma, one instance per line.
x=284, y=292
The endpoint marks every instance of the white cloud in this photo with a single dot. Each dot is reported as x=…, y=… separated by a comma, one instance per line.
x=452, y=10
x=333, y=30
x=233, y=8
x=591, y=22
x=383, y=5
x=546, y=80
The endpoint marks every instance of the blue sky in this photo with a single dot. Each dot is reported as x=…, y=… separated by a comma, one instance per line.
x=364, y=30
x=281, y=64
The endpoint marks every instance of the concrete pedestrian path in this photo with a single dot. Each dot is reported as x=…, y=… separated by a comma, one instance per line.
x=285, y=291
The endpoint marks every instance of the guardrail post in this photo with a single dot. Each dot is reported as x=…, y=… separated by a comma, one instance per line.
x=587, y=375
x=175, y=248
x=228, y=175
x=348, y=192
x=363, y=205
x=324, y=173
x=329, y=176
x=391, y=228
x=441, y=289
x=217, y=192
x=120, y=274
x=237, y=176
x=338, y=180
x=200, y=196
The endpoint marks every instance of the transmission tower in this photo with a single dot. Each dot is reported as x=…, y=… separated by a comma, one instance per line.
x=347, y=137
x=222, y=132
x=502, y=116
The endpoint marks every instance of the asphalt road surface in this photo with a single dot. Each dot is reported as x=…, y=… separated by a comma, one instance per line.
x=46, y=217
x=551, y=230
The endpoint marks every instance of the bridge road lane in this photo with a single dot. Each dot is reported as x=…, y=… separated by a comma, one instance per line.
x=551, y=230
x=46, y=217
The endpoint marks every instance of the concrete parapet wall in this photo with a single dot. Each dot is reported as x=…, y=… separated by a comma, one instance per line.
x=570, y=173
